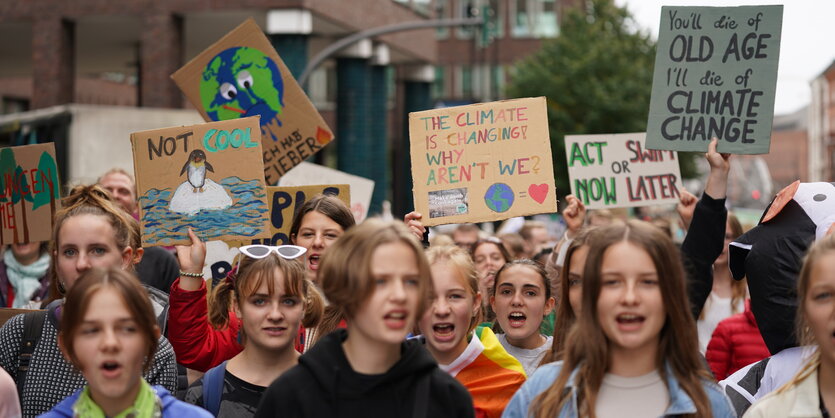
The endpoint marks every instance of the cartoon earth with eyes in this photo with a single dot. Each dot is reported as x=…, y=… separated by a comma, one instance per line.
x=241, y=82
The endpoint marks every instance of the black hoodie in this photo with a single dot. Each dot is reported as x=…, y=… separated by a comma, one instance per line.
x=323, y=384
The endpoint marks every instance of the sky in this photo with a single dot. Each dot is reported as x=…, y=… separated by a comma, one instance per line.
x=807, y=47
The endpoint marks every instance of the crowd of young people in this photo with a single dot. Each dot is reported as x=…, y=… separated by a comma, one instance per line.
x=365, y=320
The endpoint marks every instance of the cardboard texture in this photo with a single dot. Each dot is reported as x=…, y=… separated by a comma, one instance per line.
x=309, y=173
x=242, y=75
x=7, y=313
x=284, y=202
x=207, y=177
x=482, y=162
x=30, y=193
x=715, y=76
x=616, y=170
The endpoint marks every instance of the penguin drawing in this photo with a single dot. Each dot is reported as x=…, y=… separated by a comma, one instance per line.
x=196, y=167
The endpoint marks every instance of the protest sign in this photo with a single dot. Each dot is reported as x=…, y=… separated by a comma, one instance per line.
x=309, y=173
x=616, y=170
x=286, y=201
x=715, y=76
x=206, y=177
x=30, y=193
x=241, y=75
x=482, y=162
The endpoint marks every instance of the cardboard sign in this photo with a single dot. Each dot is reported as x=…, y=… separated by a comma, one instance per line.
x=609, y=171
x=241, y=75
x=482, y=162
x=286, y=201
x=309, y=173
x=207, y=177
x=715, y=76
x=30, y=193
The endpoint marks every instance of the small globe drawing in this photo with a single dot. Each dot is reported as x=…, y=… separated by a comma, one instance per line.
x=499, y=197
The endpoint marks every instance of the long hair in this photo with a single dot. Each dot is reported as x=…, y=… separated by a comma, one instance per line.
x=89, y=200
x=133, y=295
x=739, y=288
x=251, y=274
x=345, y=269
x=565, y=314
x=587, y=348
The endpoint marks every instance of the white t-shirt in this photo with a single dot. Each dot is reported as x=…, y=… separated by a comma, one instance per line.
x=529, y=358
x=639, y=397
x=716, y=309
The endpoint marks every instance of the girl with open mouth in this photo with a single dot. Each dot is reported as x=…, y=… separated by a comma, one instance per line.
x=472, y=355
x=634, y=349
x=521, y=299
x=272, y=298
x=109, y=332
x=377, y=277
x=90, y=231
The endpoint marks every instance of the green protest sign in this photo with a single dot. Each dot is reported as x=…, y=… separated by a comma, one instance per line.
x=715, y=76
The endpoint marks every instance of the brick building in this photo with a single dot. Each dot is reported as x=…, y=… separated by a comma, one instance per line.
x=122, y=53
x=822, y=127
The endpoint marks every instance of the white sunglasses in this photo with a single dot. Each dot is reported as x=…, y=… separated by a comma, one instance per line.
x=287, y=252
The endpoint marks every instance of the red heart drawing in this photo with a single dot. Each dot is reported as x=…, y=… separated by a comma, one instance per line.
x=538, y=192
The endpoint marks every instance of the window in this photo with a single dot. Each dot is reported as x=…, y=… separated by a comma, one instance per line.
x=534, y=18
x=442, y=12
x=497, y=81
x=439, y=86
x=465, y=81
x=465, y=9
x=322, y=87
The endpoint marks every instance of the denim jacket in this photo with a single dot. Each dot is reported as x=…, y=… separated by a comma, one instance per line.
x=680, y=402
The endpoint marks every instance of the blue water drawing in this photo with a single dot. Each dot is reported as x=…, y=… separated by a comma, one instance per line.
x=245, y=217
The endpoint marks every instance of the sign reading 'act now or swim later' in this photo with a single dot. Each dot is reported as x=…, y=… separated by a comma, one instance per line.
x=715, y=76
x=617, y=170
x=482, y=162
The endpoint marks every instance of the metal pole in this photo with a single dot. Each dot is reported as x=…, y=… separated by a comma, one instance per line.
x=397, y=27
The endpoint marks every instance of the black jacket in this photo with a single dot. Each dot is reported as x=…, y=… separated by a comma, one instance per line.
x=323, y=384
x=701, y=247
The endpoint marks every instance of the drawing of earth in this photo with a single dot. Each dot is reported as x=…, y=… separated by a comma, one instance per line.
x=241, y=82
x=499, y=197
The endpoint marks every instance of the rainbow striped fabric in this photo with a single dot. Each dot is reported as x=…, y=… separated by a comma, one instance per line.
x=490, y=374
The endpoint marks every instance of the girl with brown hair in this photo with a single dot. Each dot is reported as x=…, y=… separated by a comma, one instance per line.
x=89, y=231
x=108, y=334
x=377, y=277
x=633, y=350
x=272, y=298
x=317, y=224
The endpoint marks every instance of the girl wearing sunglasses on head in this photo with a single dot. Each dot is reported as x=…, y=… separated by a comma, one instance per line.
x=108, y=333
x=272, y=298
x=378, y=276
x=316, y=226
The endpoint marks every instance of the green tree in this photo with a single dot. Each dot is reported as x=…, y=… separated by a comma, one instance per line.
x=21, y=193
x=596, y=76
x=48, y=170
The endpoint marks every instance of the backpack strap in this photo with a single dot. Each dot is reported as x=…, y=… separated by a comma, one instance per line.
x=213, y=388
x=33, y=323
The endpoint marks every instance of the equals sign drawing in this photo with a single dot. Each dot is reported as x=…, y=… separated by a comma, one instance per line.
x=523, y=194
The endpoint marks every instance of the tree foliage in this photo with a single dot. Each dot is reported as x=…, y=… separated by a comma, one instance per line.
x=596, y=76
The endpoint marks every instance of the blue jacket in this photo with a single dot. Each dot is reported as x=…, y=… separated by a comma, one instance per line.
x=171, y=407
x=680, y=402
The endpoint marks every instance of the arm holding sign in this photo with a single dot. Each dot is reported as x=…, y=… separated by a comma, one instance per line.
x=706, y=234
x=412, y=220
x=197, y=344
x=575, y=216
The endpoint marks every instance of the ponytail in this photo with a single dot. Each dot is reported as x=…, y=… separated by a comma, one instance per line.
x=220, y=302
